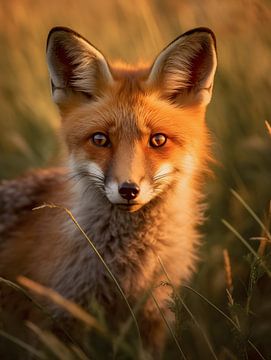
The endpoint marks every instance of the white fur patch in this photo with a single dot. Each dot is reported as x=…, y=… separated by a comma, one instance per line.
x=163, y=171
x=90, y=166
x=162, y=178
x=189, y=163
x=85, y=58
x=94, y=169
x=146, y=192
x=71, y=162
x=85, y=72
x=112, y=193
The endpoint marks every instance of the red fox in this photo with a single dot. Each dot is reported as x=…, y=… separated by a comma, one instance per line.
x=137, y=150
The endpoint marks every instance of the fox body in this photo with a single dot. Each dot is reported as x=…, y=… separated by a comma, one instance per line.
x=137, y=151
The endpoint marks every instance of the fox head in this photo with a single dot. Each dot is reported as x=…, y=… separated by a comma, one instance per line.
x=133, y=132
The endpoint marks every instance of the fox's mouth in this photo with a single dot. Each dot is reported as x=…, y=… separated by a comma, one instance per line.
x=130, y=207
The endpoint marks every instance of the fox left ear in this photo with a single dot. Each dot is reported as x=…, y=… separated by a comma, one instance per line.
x=184, y=71
x=75, y=66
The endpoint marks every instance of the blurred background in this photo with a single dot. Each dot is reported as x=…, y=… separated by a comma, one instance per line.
x=135, y=31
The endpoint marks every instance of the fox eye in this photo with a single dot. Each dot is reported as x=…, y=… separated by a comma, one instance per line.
x=158, y=140
x=100, y=139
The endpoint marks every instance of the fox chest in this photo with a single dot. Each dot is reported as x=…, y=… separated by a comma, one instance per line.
x=130, y=254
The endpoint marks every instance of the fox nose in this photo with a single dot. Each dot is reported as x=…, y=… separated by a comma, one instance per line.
x=129, y=191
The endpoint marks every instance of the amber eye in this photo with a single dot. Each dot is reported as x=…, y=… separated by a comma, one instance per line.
x=158, y=140
x=100, y=139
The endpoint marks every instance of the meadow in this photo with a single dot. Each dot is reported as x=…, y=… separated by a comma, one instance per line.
x=225, y=312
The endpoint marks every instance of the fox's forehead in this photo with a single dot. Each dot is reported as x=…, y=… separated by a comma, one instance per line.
x=114, y=117
x=131, y=113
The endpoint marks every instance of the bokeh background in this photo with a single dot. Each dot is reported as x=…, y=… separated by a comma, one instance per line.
x=136, y=31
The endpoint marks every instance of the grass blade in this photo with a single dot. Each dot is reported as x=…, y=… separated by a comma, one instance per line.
x=68, y=305
x=225, y=316
x=268, y=126
x=79, y=352
x=252, y=213
x=212, y=305
x=256, y=350
x=187, y=309
x=247, y=245
x=60, y=350
x=169, y=327
x=22, y=290
x=23, y=345
x=39, y=306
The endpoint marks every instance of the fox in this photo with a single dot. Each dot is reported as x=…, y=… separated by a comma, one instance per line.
x=137, y=153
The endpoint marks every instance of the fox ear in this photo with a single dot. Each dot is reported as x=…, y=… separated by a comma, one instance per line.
x=75, y=65
x=184, y=71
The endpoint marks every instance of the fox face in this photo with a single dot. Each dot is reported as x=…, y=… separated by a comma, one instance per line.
x=133, y=133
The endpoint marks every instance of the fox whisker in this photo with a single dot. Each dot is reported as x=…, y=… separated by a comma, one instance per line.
x=162, y=176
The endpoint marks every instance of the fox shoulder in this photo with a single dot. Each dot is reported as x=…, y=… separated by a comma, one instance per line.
x=17, y=197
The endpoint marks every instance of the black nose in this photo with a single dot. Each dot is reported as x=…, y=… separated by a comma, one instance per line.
x=129, y=191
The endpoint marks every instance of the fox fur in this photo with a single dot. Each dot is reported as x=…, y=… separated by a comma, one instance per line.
x=127, y=107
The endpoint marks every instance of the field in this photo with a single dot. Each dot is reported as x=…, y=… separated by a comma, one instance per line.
x=230, y=300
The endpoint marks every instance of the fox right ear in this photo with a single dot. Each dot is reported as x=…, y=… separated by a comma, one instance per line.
x=184, y=71
x=75, y=66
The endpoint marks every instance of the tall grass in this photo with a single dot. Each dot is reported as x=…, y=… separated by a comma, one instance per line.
x=236, y=118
